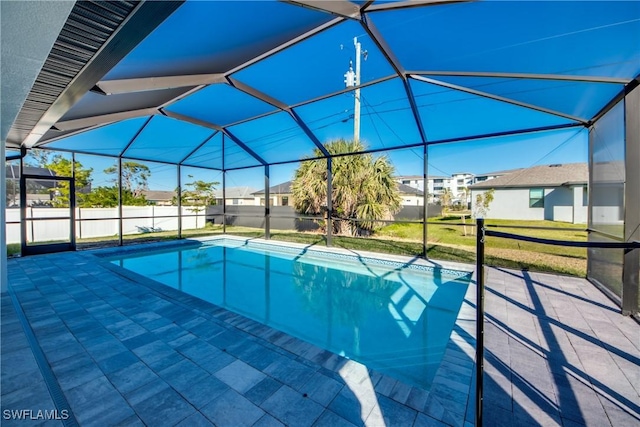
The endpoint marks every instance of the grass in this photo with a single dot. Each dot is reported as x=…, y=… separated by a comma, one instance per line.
x=446, y=242
x=501, y=252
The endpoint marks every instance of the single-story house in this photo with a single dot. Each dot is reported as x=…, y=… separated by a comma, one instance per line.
x=242, y=195
x=280, y=195
x=555, y=192
x=159, y=197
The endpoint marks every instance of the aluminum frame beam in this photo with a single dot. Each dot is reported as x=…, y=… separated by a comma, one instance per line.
x=121, y=86
x=342, y=8
x=104, y=119
x=409, y=4
x=530, y=76
x=244, y=147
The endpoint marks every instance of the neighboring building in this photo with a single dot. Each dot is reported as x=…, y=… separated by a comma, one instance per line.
x=159, y=197
x=236, y=195
x=550, y=192
x=459, y=184
x=414, y=181
x=411, y=196
x=491, y=175
x=280, y=195
x=436, y=185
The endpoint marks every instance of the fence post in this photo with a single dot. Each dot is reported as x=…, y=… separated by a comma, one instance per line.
x=479, y=318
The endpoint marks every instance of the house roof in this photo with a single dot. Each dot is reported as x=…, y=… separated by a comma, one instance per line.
x=285, y=188
x=242, y=192
x=498, y=173
x=540, y=176
x=405, y=189
x=158, y=194
x=419, y=177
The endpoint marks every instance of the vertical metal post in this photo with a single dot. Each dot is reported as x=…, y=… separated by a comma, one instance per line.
x=631, y=263
x=72, y=203
x=224, y=189
x=179, y=202
x=3, y=220
x=329, y=200
x=23, y=204
x=120, y=223
x=224, y=202
x=425, y=198
x=356, y=107
x=479, y=318
x=78, y=218
x=267, y=204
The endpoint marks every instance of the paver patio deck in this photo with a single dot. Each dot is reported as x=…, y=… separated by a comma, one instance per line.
x=129, y=353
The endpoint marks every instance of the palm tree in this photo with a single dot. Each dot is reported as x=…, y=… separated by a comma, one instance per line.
x=363, y=189
x=446, y=198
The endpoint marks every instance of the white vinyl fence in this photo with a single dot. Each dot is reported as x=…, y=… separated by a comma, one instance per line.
x=100, y=222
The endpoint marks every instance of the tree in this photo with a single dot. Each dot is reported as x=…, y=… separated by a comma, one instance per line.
x=363, y=188
x=107, y=197
x=446, y=197
x=483, y=200
x=135, y=176
x=200, y=193
x=63, y=167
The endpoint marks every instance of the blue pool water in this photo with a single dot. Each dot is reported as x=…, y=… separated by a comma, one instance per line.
x=393, y=319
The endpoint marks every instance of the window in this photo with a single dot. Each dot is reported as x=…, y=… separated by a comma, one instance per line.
x=285, y=200
x=235, y=201
x=461, y=182
x=439, y=188
x=406, y=181
x=437, y=181
x=536, y=198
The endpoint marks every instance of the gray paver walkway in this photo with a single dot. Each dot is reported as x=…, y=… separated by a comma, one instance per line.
x=131, y=352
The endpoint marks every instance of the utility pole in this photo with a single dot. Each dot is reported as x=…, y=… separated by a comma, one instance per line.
x=352, y=79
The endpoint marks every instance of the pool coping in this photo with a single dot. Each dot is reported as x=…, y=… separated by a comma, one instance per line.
x=451, y=398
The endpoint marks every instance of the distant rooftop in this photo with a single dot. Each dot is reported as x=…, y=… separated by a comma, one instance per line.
x=241, y=192
x=285, y=188
x=544, y=176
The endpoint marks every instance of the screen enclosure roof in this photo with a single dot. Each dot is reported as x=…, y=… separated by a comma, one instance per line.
x=229, y=84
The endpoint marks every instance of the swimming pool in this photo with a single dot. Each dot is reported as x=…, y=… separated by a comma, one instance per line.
x=393, y=317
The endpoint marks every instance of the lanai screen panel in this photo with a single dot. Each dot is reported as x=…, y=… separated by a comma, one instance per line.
x=575, y=98
x=449, y=114
x=236, y=156
x=215, y=36
x=221, y=104
x=316, y=66
x=598, y=38
x=209, y=155
x=275, y=138
x=109, y=140
x=386, y=119
x=93, y=104
x=167, y=140
x=608, y=175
